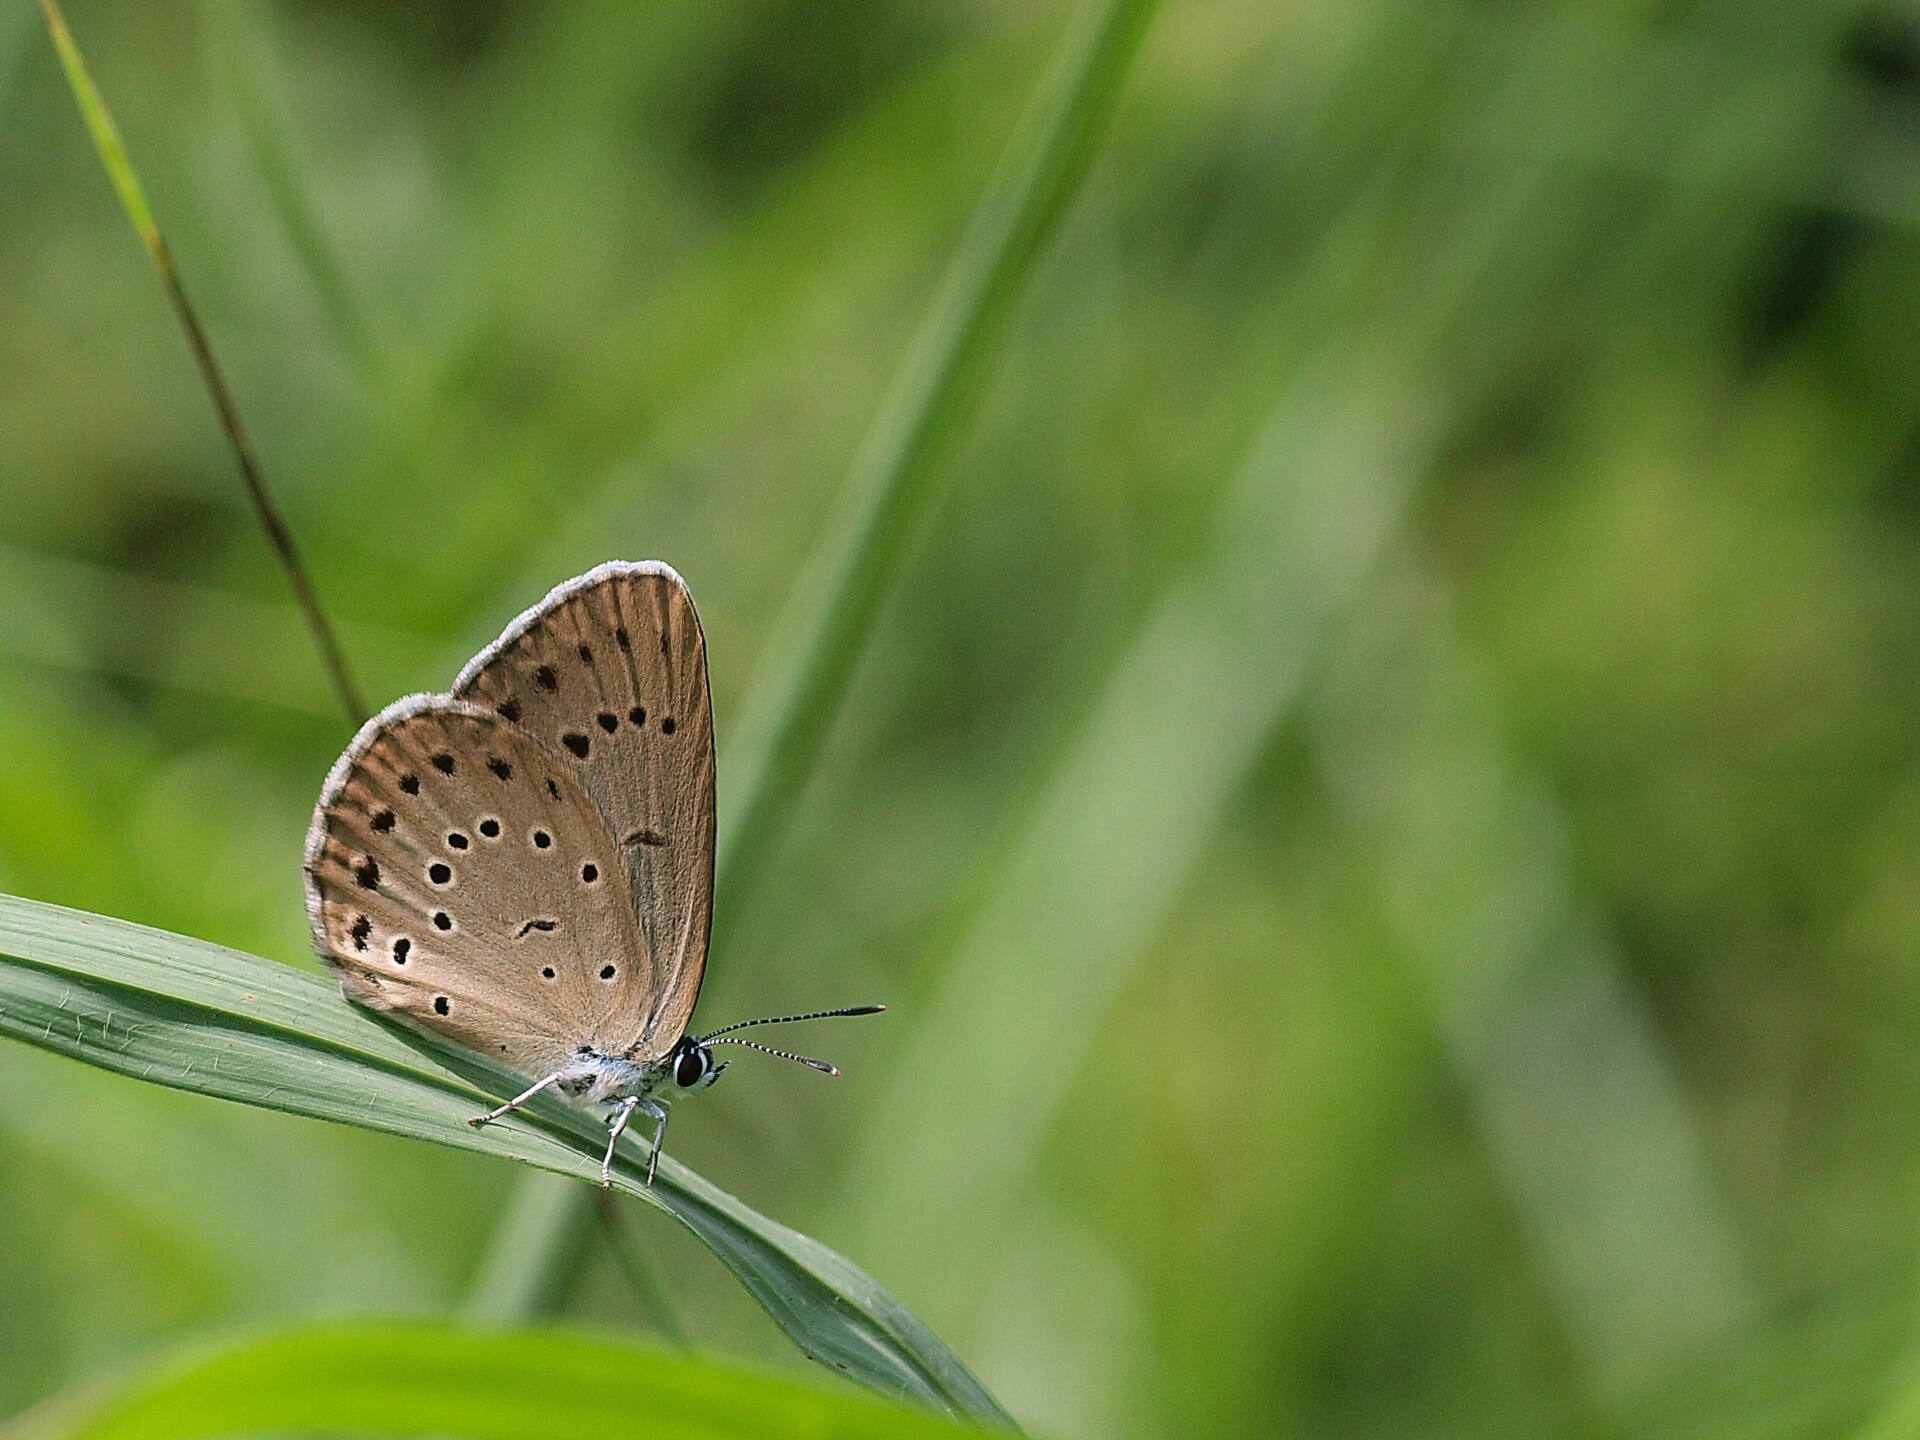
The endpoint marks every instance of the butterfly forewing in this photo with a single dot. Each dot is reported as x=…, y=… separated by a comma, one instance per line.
x=460, y=876
x=611, y=671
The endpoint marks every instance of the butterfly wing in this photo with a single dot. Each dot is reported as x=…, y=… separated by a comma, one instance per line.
x=459, y=875
x=611, y=670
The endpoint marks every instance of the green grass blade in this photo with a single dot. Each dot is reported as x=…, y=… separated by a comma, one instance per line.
x=932, y=395
x=106, y=136
x=784, y=728
x=194, y=1016
x=435, y=1379
x=1068, y=909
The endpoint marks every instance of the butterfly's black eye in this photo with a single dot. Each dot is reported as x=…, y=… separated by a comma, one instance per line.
x=691, y=1068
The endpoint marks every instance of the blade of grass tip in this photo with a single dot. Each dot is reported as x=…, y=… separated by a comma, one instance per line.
x=192, y=1016
x=891, y=485
x=133, y=199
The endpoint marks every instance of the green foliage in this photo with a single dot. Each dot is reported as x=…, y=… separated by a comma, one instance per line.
x=1438, y=967
x=430, y=1379
x=892, y=484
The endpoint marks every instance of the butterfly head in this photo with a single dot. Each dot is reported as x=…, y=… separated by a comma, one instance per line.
x=691, y=1064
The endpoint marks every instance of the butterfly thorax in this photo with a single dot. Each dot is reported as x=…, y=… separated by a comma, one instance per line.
x=594, y=1078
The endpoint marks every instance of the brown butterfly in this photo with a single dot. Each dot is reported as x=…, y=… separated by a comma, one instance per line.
x=525, y=865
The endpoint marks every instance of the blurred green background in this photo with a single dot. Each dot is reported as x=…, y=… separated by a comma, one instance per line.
x=1383, y=803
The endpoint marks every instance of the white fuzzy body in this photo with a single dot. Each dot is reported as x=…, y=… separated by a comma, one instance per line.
x=596, y=1079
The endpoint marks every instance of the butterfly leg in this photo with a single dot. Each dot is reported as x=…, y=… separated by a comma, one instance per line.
x=516, y=1102
x=618, y=1121
x=659, y=1113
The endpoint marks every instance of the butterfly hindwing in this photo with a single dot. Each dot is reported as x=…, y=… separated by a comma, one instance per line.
x=610, y=670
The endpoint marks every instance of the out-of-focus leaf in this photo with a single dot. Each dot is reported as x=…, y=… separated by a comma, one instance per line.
x=435, y=1379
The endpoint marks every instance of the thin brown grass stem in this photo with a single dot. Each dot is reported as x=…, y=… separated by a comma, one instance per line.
x=126, y=183
x=264, y=508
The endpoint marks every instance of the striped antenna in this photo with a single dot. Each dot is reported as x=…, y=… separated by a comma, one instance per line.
x=788, y=1020
x=820, y=1065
